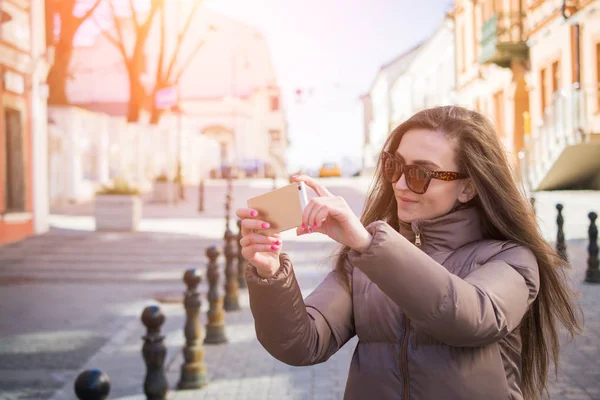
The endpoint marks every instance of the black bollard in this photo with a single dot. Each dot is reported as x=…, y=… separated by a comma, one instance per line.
x=561, y=247
x=201, y=196
x=92, y=384
x=241, y=261
x=193, y=369
x=592, y=275
x=231, y=275
x=154, y=352
x=215, y=327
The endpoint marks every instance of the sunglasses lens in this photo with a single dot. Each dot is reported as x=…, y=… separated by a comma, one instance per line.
x=390, y=169
x=416, y=178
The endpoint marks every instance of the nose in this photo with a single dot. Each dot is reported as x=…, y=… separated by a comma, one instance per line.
x=401, y=184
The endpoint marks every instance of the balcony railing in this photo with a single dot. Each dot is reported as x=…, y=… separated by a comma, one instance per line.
x=503, y=39
x=567, y=121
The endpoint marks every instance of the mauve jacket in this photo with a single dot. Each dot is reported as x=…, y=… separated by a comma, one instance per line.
x=435, y=307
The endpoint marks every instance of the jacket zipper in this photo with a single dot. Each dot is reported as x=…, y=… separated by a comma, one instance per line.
x=404, y=352
x=417, y=230
x=404, y=359
x=418, y=239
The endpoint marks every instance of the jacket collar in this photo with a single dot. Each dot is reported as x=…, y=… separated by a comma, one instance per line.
x=446, y=233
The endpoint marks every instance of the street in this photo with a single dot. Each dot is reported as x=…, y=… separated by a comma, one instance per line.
x=72, y=299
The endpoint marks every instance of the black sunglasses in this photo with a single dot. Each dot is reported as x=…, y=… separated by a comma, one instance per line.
x=417, y=177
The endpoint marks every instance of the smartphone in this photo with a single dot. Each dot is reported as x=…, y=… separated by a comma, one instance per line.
x=282, y=208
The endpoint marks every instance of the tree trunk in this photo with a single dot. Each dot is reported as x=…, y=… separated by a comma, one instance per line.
x=59, y=73
x=137, y=95
x=155, y=115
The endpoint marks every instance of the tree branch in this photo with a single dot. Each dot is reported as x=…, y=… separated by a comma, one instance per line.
x=89, y=12
x=117, y=26
x=189, y=60
x=180, y=39
x=161, y=52
x=133, y=15
x=115, y=42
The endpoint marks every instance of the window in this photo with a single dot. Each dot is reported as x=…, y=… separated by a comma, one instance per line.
x=598, y=75
x=274, y=103
x=14, y=189
x=487, y=10
x=275, y=135
x=499, y=112
x=543, y=90
x=555, y=76
x=476, y=33
x=463, y=49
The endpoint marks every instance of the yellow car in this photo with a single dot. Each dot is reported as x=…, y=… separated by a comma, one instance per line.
x=329, y=170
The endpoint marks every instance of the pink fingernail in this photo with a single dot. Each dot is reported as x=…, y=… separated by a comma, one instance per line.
x=303, y=226
x=254, y=213
x=265, y=225
x=274, y=247
x=315, y=224
x=277, y=242
x=310, y=230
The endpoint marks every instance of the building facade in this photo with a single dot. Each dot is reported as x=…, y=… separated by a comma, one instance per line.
x=377, y=106
x=491, y=64
x=430, y=78
x=563, y=150
x=24, y=64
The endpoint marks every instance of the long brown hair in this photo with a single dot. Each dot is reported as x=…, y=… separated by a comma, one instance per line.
x=506, y=214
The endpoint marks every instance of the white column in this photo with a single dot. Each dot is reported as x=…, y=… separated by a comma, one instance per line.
x=73, y=147
x=103, y=151
x=39, y=122
x=39, y=126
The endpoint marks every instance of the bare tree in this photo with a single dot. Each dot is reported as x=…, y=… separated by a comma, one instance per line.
x=69, y=24
x=134, y=59
x=168, y=77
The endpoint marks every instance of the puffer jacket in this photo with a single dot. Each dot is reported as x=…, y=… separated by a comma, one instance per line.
x=436, y=308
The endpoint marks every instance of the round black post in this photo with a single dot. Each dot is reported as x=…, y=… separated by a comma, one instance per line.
x=241, y=261
x=215, y=327
x=92, y=384
x=231, y=275
x=592, y=274
x=193, y=369
x=201, y=196
x=561, y=246
x=154, y=352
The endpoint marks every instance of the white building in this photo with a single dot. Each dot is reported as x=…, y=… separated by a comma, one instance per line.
x=430, y=78
x=228, y=91
x=378, y=106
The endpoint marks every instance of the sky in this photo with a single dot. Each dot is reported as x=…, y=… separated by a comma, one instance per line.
x=332, y=50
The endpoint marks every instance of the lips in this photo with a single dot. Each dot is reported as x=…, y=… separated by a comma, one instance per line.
x=406, y=200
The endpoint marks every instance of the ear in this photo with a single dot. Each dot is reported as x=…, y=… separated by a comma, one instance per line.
x=468, y=192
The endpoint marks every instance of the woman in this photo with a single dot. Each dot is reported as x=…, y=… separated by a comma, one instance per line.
x=446, y=280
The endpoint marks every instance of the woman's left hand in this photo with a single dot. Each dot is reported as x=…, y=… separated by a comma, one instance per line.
x=332, y=216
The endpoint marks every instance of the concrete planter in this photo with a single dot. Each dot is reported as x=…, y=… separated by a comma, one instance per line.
x=118, y=213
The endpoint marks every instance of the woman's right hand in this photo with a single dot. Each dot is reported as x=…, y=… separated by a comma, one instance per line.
x=260, y=250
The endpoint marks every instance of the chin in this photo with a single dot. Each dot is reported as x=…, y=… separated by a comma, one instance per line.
x=406, y=216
